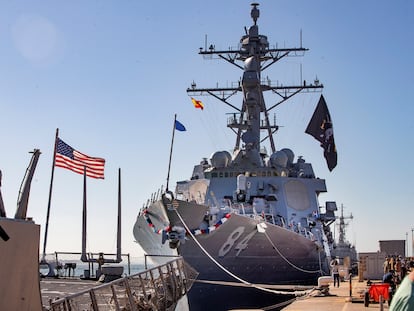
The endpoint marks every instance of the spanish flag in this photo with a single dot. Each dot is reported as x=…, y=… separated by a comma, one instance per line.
x=197, y=103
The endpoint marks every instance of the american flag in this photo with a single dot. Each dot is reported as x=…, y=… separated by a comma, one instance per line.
x=73, y=160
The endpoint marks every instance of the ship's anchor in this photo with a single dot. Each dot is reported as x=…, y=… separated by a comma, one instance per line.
x=175, y=236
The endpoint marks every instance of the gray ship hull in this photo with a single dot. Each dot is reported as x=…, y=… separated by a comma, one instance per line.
x=277, y=256
x=157, y=218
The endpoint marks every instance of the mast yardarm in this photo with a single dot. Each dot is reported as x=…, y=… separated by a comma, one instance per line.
x=253, y=117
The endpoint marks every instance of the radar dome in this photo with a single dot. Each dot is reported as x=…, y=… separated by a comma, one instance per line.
x=290, y=154
x=279, y=159
x=220, y=159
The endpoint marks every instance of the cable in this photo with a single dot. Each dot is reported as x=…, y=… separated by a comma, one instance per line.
x=227, y=271
x=285, y=259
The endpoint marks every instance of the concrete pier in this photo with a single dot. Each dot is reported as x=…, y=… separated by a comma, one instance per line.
x=339, y=299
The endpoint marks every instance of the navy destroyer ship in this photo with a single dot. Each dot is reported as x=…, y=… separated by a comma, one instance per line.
x=342, y=248
x=248, y=222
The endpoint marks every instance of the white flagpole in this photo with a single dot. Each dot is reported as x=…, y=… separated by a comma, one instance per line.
x=171, y=150
x=50, y=197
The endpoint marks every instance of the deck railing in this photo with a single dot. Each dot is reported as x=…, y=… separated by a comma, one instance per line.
x=157, y=288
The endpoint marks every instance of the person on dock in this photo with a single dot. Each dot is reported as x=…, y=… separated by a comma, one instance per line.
x=101, y=261
x=335, y=270
x=404, y=266
x=387, y=265
x=403, y=299
x=398, y=267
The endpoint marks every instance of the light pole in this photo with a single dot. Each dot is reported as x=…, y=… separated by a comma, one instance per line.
x=406, y=244
x=412, y=242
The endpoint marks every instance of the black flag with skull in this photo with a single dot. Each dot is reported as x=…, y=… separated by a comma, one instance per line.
x=320, y=127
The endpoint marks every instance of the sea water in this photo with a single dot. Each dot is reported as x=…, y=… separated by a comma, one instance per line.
x=69, y=265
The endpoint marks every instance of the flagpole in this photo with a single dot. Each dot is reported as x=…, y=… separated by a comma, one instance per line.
x=171, y=150
x=83, y=255
x=50, y=197
x=118, y=233
x=2, y=209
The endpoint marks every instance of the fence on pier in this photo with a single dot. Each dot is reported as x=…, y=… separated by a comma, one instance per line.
x=158, y=288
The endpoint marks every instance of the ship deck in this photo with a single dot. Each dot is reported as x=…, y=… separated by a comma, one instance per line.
x=55, y=288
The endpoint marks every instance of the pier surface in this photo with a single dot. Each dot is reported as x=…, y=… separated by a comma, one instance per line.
x=338, y=299
x=52, y=289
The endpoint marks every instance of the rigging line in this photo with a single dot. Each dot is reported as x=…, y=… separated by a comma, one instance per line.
x=287, y=260
x=320, y=265
x=320, y=262
x=208, y=128
x=214, y=113
x=291, y=288
x=227, y=271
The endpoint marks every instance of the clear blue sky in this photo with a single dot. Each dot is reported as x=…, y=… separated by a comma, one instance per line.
x=112, y=74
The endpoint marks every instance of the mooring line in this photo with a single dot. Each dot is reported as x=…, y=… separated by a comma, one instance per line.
x=232, y=274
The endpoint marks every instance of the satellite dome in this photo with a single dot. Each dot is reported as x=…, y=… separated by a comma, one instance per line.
x=279, y=159
x=220, y=159
x=290, y=154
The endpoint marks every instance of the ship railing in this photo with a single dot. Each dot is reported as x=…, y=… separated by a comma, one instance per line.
x=158, y=288
x=249, y=211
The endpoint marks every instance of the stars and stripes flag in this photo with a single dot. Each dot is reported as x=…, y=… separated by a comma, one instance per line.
x=71, y=159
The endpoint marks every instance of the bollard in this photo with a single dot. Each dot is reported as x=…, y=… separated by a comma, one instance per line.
x=349, y=299
x=381, y=303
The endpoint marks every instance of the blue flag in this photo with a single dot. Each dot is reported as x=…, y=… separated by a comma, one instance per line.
x=179, y=126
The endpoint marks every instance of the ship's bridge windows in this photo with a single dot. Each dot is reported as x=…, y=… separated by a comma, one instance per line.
x=219, y=174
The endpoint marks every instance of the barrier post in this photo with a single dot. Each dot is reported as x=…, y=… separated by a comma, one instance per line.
x=381, y=302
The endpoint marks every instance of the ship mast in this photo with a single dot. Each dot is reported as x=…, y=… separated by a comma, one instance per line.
x=342, y=225
x=253, y=117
